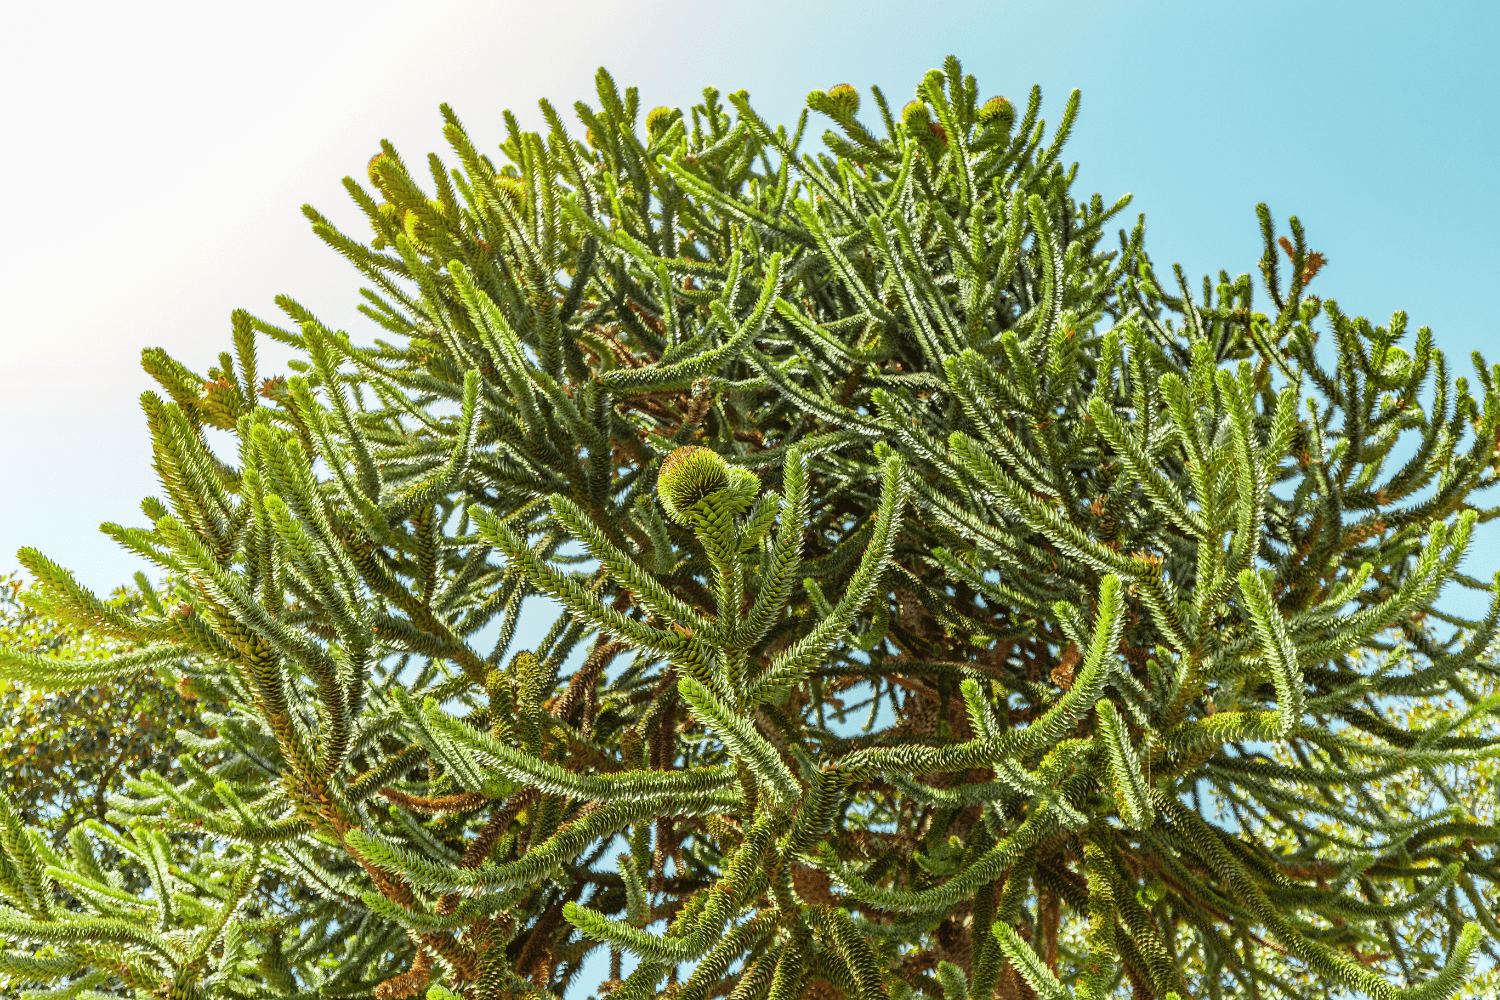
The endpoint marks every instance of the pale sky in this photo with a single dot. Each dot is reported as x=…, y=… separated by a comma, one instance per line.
x=156, y=155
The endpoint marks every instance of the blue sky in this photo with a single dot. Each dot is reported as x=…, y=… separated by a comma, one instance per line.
x=158, y=154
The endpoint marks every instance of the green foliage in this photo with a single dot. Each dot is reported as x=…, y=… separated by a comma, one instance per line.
x=1134, y=590
x=65, y=751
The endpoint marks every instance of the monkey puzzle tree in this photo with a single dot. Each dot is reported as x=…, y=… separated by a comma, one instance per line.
x=1133, y=590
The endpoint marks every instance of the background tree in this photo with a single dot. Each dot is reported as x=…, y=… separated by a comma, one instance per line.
x=65, y=752
x=1136, y=616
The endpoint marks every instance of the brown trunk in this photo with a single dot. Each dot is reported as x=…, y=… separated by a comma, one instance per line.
x=1050, y=913
x=1012, y=986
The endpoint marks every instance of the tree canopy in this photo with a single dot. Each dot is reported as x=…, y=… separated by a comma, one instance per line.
x=950, y=605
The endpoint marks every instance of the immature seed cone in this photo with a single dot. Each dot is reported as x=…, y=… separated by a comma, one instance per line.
x=998, y=112
x=658, y=121
x=846, y=98
x=1397, y=366
x=513, y=189
x=688, y=475
x=374, y=161
x=917, y=117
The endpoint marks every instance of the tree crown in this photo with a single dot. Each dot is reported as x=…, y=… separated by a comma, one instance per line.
x=1131, y=587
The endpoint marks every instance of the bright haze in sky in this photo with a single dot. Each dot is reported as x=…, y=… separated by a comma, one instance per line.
x=157, y=154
